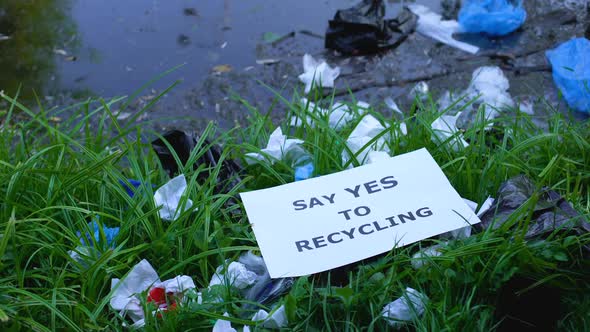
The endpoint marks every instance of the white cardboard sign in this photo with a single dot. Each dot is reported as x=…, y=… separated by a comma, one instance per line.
x=322, y=223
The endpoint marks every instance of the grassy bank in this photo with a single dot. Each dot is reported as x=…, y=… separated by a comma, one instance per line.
x=57, y=177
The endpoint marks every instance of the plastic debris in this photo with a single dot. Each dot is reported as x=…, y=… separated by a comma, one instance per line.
x=571, y=72
x=431, y=25
x=278, y=145
x=317, y=73
x=130, y=190
x=276, y=320
x=551, y=211
x=367, y=129
x=222, y=325
x=169, y=197
x=406, y=308
x=422, y=257
x=361, y=29
x=236, y=275
x=339, y=115
x=304, y=172
x=142, y=277
x=492, y=17
x=444, y=129
x=419, y=91
x=98, y=231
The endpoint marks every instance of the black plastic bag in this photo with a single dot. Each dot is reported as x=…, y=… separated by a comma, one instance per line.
x=183, y=144
x=362, y=30
x=551, y=211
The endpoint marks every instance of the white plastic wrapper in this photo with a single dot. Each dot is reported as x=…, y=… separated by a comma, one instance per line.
x=319, y=72
x=432, y=25
x=423, y=257
x=409, y=306
x=141, y=278
x=236, y=275
x=445, y=127
x=168, y=197
x=278, y=145
x=277, y=320
x=223, y=325
x=363, y=133
x=338, y=116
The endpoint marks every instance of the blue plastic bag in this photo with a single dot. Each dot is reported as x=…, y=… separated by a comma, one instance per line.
x=492, y=17
x=571, y=72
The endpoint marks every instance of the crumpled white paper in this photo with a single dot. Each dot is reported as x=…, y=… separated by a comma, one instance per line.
x=142, y=277
x=277, y=320
x=319, y=72
x=222, y=325
x=168, y=197
x=278, y=145
x=445, y=127
x=409, y=306
x=236, y=275
x=363, y=133
x=432, y=25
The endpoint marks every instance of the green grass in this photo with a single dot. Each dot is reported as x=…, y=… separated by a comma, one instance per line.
x=54, y=178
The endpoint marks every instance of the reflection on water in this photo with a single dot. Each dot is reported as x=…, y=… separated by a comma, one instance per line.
x=35, y=28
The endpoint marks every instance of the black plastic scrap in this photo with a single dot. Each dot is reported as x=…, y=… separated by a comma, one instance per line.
x=182, y=144
x=361, y=29
x=551, y=211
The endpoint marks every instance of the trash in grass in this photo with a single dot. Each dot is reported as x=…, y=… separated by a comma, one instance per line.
x=339, y=115
x=222, y=325
x=571, y=72
x=182, y=145
x=98, y=231
x=488, y=88
x=301, y=162
x=142, y=277
x=277, y=319
x=317, y=73
x=170, y=198
x=278, y=146
x=491, y=17
x=444, y=129
x=419, y=91
x=4, y=37
x=431, y=25
x=423, y=256
x=551, y=211
x=130, y=190
x=304, y=172
x=362, y=29
x=409, y=306
x=235, y=275
x=365, y=131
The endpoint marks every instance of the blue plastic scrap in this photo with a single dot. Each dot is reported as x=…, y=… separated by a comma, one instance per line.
x=571, y=72
x=304, y=172
x=130, y=191
x=109, y=234
x=491, y=17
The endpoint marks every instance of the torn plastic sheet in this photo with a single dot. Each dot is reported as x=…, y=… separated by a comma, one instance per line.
x=278, y=146
x=571, y=72
x=277, y=319
x=142, y=277
x=362, y=29
x=317, y=73
x=98, y=230
x=222, y=325
x=491, y=17
x=304, y=172
x=431, y=25
x=409, y=306
x=551, y=211
x=235, y=275
x=367, y=129
x=170, y=196
x=339, y=115
x=130, y=190
x=444, y=129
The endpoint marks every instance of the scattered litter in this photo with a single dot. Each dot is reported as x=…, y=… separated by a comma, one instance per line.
x=488, y=86
x=527, y=108
x=492, y=17
x=222, y=69
x=339, y=114
x=444, y=129
x=423, y=257
x=142, y=277
x=571, y=72
x=551, y=211
x=276, y=320
x=235, y=274
x=278, y=145
x=98, y=231
x=169, y=198
x=367, y=129
x=431, y=25
x=222, y=325
x=265, y=289
x=361, y=29
x=267, y=61
x=130, y=191
x=304, y=172
x=409, y=306
x=390, y=103
x=317, y=73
